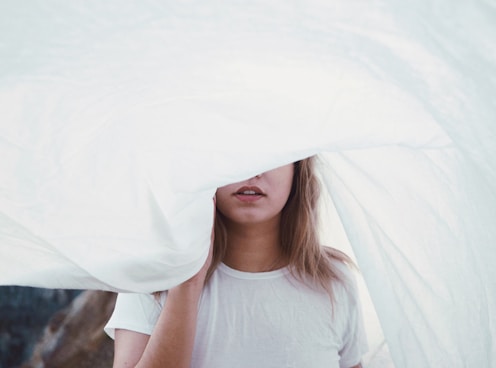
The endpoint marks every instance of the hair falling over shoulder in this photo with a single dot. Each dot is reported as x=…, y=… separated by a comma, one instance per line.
x=309, y=261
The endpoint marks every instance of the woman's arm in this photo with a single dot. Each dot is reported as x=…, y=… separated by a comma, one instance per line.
x=171, y=343
x=172, y=340
x=128, y=347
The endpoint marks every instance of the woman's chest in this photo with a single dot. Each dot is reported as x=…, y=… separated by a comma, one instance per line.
x=267, y=328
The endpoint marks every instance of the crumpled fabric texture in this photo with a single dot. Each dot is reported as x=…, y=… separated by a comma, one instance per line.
x=119, y=121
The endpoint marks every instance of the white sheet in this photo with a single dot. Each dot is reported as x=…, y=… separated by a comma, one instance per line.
x=118, y=121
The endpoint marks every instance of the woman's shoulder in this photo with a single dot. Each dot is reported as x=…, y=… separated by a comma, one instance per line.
x=339, y=260
x=345, y=274
x=134, y=312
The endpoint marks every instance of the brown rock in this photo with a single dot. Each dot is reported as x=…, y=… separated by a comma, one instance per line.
x=74, y=336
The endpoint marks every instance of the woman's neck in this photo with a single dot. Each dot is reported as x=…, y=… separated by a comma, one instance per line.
x=254, y=248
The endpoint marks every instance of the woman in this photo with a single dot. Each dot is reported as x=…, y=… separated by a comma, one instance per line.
x=269, y=295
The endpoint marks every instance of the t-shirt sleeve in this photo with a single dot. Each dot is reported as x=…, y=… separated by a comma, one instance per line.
x=134, y=312
x=354, y=338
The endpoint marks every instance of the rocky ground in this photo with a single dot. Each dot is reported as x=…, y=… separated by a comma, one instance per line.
x=54, y=328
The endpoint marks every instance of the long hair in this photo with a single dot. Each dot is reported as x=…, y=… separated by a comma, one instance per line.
x=309, y=261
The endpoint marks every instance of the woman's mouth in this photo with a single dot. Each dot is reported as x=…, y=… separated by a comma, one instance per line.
x=249, y=194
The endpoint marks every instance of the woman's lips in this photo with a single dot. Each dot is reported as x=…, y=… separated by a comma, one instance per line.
x=249, y=194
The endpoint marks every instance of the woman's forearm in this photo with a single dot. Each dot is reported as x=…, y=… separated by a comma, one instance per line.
x=171, y=343
x=172, y=340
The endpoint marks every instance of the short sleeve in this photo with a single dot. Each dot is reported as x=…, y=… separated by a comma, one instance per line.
x=354, y=340
x=134, y=312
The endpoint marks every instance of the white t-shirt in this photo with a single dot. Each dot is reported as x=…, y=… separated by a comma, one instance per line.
x=260, y=320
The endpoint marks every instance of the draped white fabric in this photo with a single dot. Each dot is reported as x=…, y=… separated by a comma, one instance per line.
x=118, y=120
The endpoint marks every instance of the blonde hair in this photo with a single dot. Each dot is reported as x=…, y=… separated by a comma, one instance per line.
x=308, y=260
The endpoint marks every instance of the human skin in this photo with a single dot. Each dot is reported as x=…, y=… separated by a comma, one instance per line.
x=252, y=211
x=253, y=231
x=252, y=221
